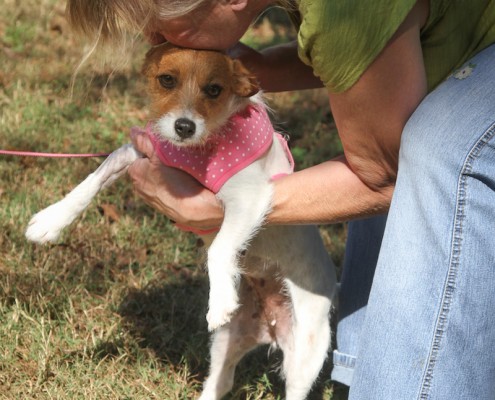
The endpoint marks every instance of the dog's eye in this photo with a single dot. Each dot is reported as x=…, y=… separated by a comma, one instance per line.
x=167, y=81
x=213, y=91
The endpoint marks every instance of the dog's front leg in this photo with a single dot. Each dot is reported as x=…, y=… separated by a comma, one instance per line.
x=46, y=225
x=247, y=199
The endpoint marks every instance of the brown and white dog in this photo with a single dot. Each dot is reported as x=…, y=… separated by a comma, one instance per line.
x=271, y=285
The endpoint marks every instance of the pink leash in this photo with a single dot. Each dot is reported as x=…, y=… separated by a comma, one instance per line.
x=50, y=155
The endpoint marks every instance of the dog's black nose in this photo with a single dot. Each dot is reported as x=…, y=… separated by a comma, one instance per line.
x=185, y=128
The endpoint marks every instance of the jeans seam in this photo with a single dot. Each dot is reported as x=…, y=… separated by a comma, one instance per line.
x=349, y=360
x=454, y=260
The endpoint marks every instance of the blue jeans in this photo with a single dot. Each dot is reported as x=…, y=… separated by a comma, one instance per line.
x=427, y=330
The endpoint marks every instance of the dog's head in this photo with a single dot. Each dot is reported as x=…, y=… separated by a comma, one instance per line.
x=194, y=92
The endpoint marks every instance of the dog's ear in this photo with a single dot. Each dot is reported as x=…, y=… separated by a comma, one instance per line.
x=245, y=84
x=147, y=60
x=154, y=52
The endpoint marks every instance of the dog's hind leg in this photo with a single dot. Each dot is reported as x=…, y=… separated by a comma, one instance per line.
x=231, y=342
x=223, y=360
x=305, y=354
x=46, y=225
x=310, y=282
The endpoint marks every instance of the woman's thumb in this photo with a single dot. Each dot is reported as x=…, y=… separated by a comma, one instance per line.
x=142, y=142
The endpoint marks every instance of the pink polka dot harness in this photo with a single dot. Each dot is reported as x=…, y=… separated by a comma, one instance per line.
x=244, y=139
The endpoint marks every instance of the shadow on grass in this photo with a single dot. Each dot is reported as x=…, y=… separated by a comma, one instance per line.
x=169, y=320
x=166, y=319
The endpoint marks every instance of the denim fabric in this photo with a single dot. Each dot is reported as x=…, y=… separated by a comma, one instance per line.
x=428, y=330
x=364, y=238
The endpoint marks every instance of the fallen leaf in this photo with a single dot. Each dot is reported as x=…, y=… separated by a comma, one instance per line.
x=110, y=212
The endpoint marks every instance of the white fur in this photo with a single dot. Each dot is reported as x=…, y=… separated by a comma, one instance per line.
x=293, y=254
x=165, y=127
x=46, y=225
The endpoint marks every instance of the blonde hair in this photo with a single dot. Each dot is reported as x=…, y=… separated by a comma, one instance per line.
x=113, y=26
x=109, y=20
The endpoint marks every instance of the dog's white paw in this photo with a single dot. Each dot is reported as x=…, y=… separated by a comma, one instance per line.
x=46, y=225
x=221, y=311
x=208, y=396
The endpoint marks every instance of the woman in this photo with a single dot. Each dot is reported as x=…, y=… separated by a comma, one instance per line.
x=411, y=86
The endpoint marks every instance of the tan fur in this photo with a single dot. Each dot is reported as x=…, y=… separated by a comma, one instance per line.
x=193, y=71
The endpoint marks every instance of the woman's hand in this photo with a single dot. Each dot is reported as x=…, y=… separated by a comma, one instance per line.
x=171, y=191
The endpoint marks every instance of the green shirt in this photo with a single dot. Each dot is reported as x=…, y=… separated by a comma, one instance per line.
x=341, y=38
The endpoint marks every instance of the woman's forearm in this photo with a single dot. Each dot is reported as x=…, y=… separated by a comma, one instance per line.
x=326, y=193
x=285, y=71
x=278, y=68
x=370, y=117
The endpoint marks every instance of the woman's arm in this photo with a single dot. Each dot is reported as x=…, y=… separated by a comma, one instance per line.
x=278, y=68
x=370, y=117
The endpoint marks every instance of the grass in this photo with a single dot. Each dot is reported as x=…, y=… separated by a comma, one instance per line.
x=115, y=309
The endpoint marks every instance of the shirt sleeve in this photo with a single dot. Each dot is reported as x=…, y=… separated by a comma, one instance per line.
x=339, y=39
